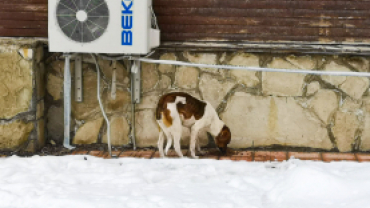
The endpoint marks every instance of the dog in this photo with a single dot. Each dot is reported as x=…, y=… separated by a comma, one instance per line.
x=178, y=109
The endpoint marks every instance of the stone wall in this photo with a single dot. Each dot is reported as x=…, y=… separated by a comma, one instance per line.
x=261, y=108
x=22, y=70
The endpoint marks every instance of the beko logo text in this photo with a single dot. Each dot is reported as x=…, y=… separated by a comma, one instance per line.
x=127, y=22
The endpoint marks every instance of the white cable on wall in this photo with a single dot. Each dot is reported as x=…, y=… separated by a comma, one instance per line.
x=250, y=68
x=101, y=106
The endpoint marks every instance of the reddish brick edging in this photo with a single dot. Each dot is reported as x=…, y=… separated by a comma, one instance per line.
x=258, y=156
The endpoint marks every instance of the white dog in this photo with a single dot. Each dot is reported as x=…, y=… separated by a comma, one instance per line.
x=179, y=109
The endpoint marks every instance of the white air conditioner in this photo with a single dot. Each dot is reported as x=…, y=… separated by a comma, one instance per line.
x=101, y=26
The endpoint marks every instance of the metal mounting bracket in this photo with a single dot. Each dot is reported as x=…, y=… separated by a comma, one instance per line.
x=67, y=102
x=135, y=94
x=135, y=81
x=78, y=79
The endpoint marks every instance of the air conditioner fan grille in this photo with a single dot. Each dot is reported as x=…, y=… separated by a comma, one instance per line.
x=92, y=25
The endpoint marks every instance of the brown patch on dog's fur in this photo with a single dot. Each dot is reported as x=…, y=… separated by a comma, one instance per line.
x=167, y=120
x=193, y=107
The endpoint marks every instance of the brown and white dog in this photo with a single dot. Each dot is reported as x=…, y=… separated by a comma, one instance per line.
x=179, y=109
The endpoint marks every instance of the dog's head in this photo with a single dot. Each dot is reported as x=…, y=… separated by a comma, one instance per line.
x=223, y=139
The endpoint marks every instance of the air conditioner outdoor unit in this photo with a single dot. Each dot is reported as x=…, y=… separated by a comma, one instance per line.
x=101, y=26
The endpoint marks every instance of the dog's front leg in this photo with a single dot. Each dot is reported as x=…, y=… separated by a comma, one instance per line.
x=193, y=139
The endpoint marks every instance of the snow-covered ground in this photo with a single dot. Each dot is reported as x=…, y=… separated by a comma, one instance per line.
x=71, y=181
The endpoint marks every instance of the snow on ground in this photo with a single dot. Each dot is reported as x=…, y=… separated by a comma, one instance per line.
x=71, y=181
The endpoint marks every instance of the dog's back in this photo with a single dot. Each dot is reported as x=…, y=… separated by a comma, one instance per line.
x=186, y=105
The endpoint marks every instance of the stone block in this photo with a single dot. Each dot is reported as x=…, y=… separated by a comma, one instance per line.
x=149, y=76
x=186, y=77
x=165, y=82
x=54, y=86
x=302, y=62
x=119, y=131
x=40, y=80
x=166, y=68
x=120, y=104
x=361, y=64
x=324, y=104
x=350, y=105
x=16, y=84
x=203, y=58
x=15, y=134
x=214, y=90
x=266, y=121
x=335, y=80
x=55, y=124
x=106, y=67
x=41, y=139
x=365, y=138
x=248, y=78
x=146, y=129
x=312, y=88
x=88, y=133
x=346, y=125
x=355, y=86
x=148, y=102
x=282, y=84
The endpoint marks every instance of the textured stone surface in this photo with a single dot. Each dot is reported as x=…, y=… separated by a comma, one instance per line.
x=335, y=80
x=41, y=139
x=312, y=88
x=248, y=78
x=365, y=139
x=148, y=102
x=147, y=130
x=14, y=134
x=55, y=125
x=299, y=118
x=89, y=106
x=149, y=76
x=165, y=68
x=359, y=63
x=282, y=84
x=107, y=68
x=272, y=120
x=15, y=83
x=355, y=86
x=202, y=58
x=214, y=90
x=40, y=80
x=54, y=86
x=165, y=82
x=324, y=104
x=186, y=77
x=118, y=105
x=350, y=105
x=119, y=131
x=302, y=62
x=89, y=132
x=346, y=125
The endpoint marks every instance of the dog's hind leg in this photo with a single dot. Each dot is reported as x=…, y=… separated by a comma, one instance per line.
x=200, y=152
x=169, y=143
x=160, y=143
x=176, y=143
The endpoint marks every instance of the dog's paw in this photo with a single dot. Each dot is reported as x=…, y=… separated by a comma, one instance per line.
x=195, y=157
